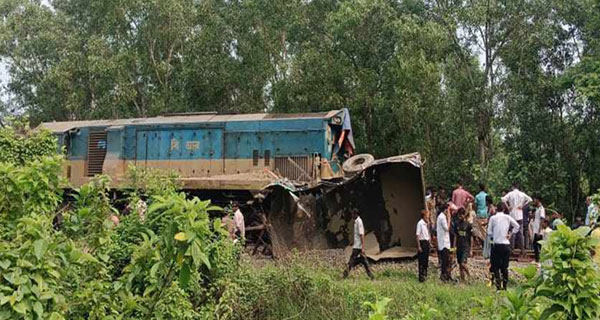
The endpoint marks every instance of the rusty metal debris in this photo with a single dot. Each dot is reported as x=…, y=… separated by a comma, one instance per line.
x=388, y=192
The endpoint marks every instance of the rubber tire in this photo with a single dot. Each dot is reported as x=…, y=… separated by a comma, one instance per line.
x=358, y=163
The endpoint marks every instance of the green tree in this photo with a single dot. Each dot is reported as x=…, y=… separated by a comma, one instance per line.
x=484, y=29
x=486, y=90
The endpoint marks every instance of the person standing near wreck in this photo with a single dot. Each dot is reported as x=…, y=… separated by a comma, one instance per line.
x=238, y=221
x=443, y=240
x=460, y=196
x=591, y=216
x=464, y=249
x=515, y=201
x=358, y=248
x=499, y=228
x=423, y=244
x=441, y=199
x=538, y=230
x=481, y=203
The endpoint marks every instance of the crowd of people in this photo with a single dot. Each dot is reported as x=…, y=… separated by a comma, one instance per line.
x=455, y=224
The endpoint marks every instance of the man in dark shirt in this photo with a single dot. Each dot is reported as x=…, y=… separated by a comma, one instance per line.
x=464, y=232
x=454, y=226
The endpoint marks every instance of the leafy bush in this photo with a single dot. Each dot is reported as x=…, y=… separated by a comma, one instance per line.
x=150, y=182
x=34, y=188
x=169, y=266
x=570, y=281
x=179, y=243
x=19, y=149
x=35, y=261
x=423, y=312
x=89, y=221
x=566, y=288
x=378, y=310
x=123, y=240
x=35, y=269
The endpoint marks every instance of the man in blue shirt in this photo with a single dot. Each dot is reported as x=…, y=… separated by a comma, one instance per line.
x=480, y=204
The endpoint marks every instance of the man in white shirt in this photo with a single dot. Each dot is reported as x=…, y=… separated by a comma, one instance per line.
x=499, y=229
x=515, y=201
x=423, y=246
x=358, y=248
x=540, y=215
x=443, y=240
x=238, y=222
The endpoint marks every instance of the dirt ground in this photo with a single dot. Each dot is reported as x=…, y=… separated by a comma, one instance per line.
x=337, y=259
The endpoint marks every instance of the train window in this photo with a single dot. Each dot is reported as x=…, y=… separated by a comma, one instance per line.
x=255, y=158
x=267, y=158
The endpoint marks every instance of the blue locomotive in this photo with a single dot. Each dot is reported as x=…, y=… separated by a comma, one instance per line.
x=210, y=151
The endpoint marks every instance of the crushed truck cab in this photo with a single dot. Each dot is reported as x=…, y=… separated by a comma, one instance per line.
x=389, y=194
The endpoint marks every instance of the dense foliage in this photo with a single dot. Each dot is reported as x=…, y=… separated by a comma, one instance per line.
x=486, y=90
x=166, y=266
x=18, y=148
x=570, y=280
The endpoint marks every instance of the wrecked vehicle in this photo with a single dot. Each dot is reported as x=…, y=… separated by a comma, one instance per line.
x=296, y=173
x=388, y=193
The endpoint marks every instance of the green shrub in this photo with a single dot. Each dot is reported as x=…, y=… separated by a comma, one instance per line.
x=180, y=244
x=377, y=309
x=150, y=182
x=31, y=273
x=123, y=240
x=29, y=146
x=89, y=222
x=423, y=312
x=169, y=266
x=566, y=288
x=39, y=267
x=34, y=188
x=570, y=281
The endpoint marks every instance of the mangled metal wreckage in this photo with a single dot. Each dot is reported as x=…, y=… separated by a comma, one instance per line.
x=388, y=192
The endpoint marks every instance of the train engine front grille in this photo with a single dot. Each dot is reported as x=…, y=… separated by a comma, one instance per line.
x=298, y=168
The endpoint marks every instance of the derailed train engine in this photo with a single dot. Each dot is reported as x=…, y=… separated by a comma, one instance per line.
x=287, y=166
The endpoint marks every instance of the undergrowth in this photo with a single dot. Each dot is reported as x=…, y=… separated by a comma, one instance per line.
x=298, y=288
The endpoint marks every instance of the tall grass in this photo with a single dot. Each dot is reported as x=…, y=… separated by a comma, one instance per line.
x=303, y=289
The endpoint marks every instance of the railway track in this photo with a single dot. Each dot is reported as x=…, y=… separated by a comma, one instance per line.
x=514, y=256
